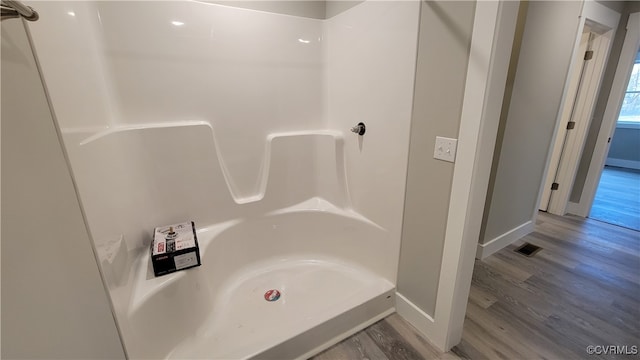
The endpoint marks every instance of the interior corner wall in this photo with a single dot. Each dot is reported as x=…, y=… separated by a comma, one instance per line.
x=335, y=7
x=601, y=102
x=506, y=101
x=615, y=5
x=315, y=9
x=544, y=59
x=443, y=53
x=625, y=148
x=54, y=305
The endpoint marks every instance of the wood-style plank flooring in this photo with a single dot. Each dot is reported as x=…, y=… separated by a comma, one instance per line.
x=389, y=339
x=617, y=200
x=581, y=289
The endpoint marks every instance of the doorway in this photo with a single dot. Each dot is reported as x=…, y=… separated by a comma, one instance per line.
x=614, y=138
x=617, y=199
x=587, y=68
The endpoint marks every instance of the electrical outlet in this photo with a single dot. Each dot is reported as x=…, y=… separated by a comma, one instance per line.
x=445, y=149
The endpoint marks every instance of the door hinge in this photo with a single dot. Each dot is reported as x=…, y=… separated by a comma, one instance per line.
x=555, y=186
x=588, y=55
x=571, y=125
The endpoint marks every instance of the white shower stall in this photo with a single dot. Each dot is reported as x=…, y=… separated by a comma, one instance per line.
x=239, y=120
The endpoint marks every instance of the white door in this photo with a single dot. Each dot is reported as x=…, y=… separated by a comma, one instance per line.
x=626, y=61
x=590, y=56
x=575, y=85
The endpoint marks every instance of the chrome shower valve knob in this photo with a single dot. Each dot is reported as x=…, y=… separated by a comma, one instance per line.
x=359, y=129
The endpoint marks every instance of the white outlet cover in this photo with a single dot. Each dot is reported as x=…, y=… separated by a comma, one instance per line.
x=445, y=149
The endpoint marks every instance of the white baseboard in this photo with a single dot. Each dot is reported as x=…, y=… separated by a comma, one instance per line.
x=486, y=249
x=575, y=209
x=629, y=164
x=422, y=321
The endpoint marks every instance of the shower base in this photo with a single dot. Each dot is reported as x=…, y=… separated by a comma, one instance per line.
x=318, y=300
x=329, y=265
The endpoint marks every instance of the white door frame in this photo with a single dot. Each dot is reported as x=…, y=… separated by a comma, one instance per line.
x=610, y=117
x=492, y=39
x=603, y=21
x=572, y=89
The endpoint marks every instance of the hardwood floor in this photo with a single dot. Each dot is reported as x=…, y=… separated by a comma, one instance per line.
x=617, y=200
x=581, y=289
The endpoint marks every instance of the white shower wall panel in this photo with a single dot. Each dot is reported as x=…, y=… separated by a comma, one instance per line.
x=68, y=46
x=133, y=179
x=370, y=62
x=248, y=73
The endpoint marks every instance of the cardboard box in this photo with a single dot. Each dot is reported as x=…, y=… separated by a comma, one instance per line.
x=174, y=247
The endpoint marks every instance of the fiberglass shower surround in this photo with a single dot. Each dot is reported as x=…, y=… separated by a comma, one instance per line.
x=240, y=121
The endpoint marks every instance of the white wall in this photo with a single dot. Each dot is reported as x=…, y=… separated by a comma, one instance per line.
x=203, y=84
x=527, y=130
x=54, y=305
x=248, y=73
x=370, y=59
x=235, y=76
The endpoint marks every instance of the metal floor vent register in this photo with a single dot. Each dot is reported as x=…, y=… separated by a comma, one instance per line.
x=527, y=249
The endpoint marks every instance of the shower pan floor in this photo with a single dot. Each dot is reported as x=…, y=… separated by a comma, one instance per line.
x=319, y=301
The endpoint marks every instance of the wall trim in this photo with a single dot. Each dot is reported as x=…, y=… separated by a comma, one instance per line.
x=575, y=209
x=621, y=124
x=506, y=239
x=416, y=317
x=623, y=163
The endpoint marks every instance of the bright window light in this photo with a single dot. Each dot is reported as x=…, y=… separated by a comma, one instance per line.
x=630, y=111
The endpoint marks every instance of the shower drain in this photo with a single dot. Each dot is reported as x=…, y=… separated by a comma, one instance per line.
x=272, y=295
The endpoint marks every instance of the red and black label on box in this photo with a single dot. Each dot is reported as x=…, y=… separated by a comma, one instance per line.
x=174, y=247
